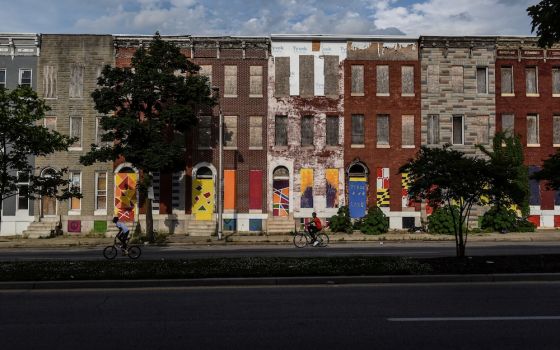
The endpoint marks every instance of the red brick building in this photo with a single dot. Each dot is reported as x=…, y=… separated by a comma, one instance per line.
x=528, y=104
x=382, y=115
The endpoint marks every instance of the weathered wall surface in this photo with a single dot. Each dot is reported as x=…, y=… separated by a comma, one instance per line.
x=317, y=93
x=519, y=54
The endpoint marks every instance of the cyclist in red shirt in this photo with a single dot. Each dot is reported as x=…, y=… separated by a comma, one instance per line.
x=313, y=227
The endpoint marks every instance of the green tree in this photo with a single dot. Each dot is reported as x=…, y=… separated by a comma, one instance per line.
x=444, y=176
x=147, y=111
x=545, y=17
x=22, y=137
x=550, y=172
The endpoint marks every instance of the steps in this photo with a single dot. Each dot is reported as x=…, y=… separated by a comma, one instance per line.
x=204, y=228
x=278, y=225
x=38, y=229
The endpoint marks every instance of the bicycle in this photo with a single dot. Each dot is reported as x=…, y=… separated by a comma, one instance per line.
x=303, y=238
x=111, y=251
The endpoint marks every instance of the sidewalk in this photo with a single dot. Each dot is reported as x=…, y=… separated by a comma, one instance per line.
x=235, y=239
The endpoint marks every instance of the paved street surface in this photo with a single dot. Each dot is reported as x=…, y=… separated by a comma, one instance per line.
x=421, y=316
x=412, y=249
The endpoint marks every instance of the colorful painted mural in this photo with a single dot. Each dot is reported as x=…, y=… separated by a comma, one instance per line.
x=125, y=196
x=405, y=182
x=281, y=198
x=357, y=193
x=229, y=189
x=331, y=176
x=203, y=199
x=306, y=176
x=383, y=196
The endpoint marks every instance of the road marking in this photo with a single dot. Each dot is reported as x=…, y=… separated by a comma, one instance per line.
x=475, y=318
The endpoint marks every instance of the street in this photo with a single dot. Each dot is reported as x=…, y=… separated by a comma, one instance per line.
x=412, y=249
x=420, y=316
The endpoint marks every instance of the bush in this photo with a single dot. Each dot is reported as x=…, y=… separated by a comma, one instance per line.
x=502, y=219
x=441, y=221
x=341, y=221
x=375, y=222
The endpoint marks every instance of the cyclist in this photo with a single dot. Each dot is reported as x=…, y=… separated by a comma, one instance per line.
x=123, y=233
x=313, y=227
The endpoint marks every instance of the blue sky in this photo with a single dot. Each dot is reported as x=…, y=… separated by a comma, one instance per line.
x=256, y=17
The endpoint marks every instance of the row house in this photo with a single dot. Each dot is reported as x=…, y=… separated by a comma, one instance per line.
x=18, y=66
x=528, y=105
x=68, y=68
x=382, y=115
x=306, y=133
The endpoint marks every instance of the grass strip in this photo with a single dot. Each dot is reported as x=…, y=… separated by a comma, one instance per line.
x=59, y=270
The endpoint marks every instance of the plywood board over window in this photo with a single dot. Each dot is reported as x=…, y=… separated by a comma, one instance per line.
x=332, y=130
x=281, y=130
x=255, y=132
x=556, y=81
x=531, y=81
x=206, y=71
x=357, y=80
x=382, y=80
x=408, y=131
x=281, y=76
x=357, y=129
x=508, y=125
x=556, y=130
x=307, y=130
x=76, y=87
x=507, y=80
x=533, y=130
x=306, y=75
x=382, y=130
x=205, y=132
x=49, y=81
x=230, y=131
x=256, y=81
x=407, y=80
x=230, y=81
x=331, y=75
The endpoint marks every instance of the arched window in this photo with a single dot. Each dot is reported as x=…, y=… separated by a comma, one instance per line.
x=204, y=173
x=357, y=170
x=281, y=173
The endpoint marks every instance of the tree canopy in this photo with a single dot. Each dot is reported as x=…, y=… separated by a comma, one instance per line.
x=147, y=109
x=545, y=21
x=22, y=137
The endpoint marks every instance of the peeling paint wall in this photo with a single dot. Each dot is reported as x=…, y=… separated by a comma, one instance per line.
x=382, y=50
x=319, y=156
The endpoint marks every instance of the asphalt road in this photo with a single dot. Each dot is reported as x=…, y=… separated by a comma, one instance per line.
x=420, y=316
x=412, y=249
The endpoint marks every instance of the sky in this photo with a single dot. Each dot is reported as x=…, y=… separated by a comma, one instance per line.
x=256, y=17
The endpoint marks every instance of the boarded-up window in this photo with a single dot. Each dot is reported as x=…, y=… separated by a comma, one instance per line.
x=457, y=130
x=49, y=81
x=281, y=130
x=230, y=81
x=357, y=129
x=556, y=132
x=205, y=131
x=556, y=81
x=307, y=130
x=508, y=121
x=331, y=76
x=230, y=131
x=407, y=80
x=533, y=129
x=357, y=80
x=507, y=79
x=332, y=130
x=457, y=79
x=76, y=80
x=433, y=78
x=382, y=80
x=76, y=131
x=50, y=123
x=481, y=80
x=229, y=189
x=433, y=129
x=382, y=129
x=482, y=129
x=206, y=71
x=306, y=75
x=255, y=82
x=282, y=76
x=408, y=130
x=531, y=80
x=255, y=132
x=255, y=189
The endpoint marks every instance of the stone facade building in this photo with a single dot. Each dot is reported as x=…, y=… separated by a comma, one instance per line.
x=528, y=105
x=305, y=137
x=382, y=115
x=67, y=75
x=18, y=66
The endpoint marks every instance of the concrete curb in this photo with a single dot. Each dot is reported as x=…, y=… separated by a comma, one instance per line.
x=277, y=281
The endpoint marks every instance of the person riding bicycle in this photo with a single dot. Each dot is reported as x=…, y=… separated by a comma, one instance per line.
x=123, y=232
x=313, y=227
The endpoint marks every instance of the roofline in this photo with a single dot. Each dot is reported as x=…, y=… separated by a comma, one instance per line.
x=333, y=37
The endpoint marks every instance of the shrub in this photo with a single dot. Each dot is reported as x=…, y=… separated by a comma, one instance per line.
x=441, y=221
x=341, y=221
x=502, y=219
x=375, y=222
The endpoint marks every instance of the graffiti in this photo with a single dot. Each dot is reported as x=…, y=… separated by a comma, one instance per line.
x=281, y=198
x=203, y=199
x=306, y=188
x=383, y=196
x=125, y=196
x=357, y=195
x=332, y=187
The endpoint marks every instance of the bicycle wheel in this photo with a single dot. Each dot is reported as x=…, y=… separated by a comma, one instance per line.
x=110, y=252
x=134, y=252
x=300, y=240
x=323, y=239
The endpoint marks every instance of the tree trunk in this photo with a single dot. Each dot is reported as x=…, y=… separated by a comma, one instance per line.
x=150, y=221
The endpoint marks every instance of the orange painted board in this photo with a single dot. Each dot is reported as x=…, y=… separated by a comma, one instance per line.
x=229, y=189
